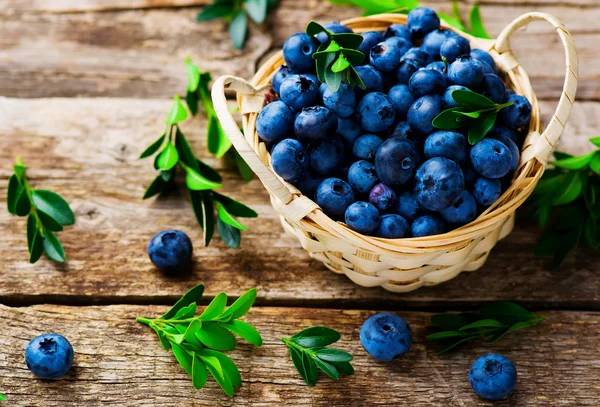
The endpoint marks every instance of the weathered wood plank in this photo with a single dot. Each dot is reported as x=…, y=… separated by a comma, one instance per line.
x=121, y=363
x=80, y=6
x=87, y=149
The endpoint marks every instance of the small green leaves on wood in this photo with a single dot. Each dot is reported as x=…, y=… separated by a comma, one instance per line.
x=474, y=112
x=308, y=352
x=491, y=323
x=47, y=212
x=197, y=341
x=2, y=397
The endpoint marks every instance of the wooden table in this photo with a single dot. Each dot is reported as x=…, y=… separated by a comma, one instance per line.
x=86, y=86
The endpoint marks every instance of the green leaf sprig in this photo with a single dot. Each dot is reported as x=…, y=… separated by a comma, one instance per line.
x=46, y=211
x=475, y=27
x=308, y=352
x=475, y=112
x=492, y=323
x=570, y=191
x=2, y=397
x=236, y=13
x=371, y=7
x=336, y=57
x=201, y=181
x=198, y=341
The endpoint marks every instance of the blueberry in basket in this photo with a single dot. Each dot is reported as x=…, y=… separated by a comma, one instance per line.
x=407, y=132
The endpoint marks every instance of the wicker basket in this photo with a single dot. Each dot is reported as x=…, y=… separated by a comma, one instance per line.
x=402, y=265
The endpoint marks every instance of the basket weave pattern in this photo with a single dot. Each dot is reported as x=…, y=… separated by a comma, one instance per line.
x=403, y=265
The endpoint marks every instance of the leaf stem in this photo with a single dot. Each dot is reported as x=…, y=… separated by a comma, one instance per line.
x=145, y=321
x=33, y=211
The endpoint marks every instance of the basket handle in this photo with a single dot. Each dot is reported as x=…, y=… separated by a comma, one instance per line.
x=545, y=142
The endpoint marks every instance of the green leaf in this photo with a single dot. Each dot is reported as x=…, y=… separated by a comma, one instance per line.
x=23, y=205
x=31, y=231
x=14, y=191
x=214, y=11
x=168, y=158
x=186, y=312
x=204, y=211
x=590, y=233
x=472, y=115
x=19, y=169
x=2, y=397
x=595, y=163
x=356, y=79
x=560, y=155
x=193, y=328
x=476, y=22
x=199, y=375
x=569, y=190
x=244, y=170
x=483, y=323
x=184, y=358
x=257, y=10
x=344, y=368
x=340, y=64
x=234, y=207
x=244, y=331
x=516, y=327
x=316, y=336
x=595, y=141
x=229, y=368
x=177, y=113
x=313, y=28
x=37, y=247
x=447, y=347
x=544, y=215
x=480, y=127
x=230, y=235
x=208, y=172
x=192, y=99
x=450, y=322
x=227, y=218
x=327, y=368
x=193, y=75
x=242, y=305
x=447, y=334
x=310, y=368
x=162, y=338
x=472, y=100
x=215, y=308
x=197, y=182
x=184, y=151
x=506, y=312
x=216, y=337
x=238, y=28
x=216, y=370
x=333, y=80
x=217, y=141
x=348, y=40
x=334, y=355
x=49, y=223
x=353, y=56
x=156, y=187
x=192, y=296
x=153, y=147
x=296, y=357
x=575, y=163
x=54, y=206
x=448, y=119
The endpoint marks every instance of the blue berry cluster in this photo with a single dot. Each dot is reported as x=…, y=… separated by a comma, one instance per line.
x=371, y=157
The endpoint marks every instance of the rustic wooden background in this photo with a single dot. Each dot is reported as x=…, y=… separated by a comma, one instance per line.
x=85, y=86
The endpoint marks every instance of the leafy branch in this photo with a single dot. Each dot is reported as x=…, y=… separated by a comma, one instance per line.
x=492, y=323
x=572, y=190
x=46, y=211
x=474, y=111
x=335, y=57
x=308, y=352
x=198, y=341
x=475, y=26
x=371, y=7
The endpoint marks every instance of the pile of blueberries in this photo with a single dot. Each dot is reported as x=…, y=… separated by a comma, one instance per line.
x=372, y=157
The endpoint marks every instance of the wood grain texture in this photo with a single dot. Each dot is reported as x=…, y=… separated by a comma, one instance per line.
x=87, y=149
x=119, y=362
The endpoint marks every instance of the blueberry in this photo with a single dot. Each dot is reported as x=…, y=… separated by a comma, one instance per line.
x=470, y=174
x=466, y=71
x=439, y=183
x=405, y=70
x=299, y=91
x=418, y=56
x=432, y=43
x=427, y=82
x=385, y=337
x=385, y=57
x=298, y=51
x=484, y=56
x=289, y=159
x=491, y=158
x=500, y=130
x=492, y=88
x=314, y=124
x=518, y=114
x=514, y=151
x=322, y=89
x=279, y=77
x=462, y=211
x=342, y=102
x=362, y=176
x=362, y=217
x=392, y=226
x=448, y=95
x=440, y=67
x=370, y=39
x=382, y=197
x=486, y=67
x=397, y=30
x=371, y=78
x=486, y=191
x=396, y=161
x=421, y=21
x=275, y=121
x=365, y=147
x=334, y=196
x=493, y=377
x=402, y=44
x=454, y=47
x=447, y=144
x=402, y=99
x=328, y=155
x=349, y=129
x=408, y=206
x=49, y=356
x=376, y=112
x=335, y=28
x=308, y=183
x=423, y=111
x=170, y=250
x=402, y=130
x=427, y=225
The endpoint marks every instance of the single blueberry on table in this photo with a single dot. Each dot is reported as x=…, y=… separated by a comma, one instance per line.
x=514, y=151
x=493, y=377
x=402, y=99
x=385, y=57
x=371, y=78
x=402, y=44
x=500, y=130
x=392, y=226
x=334, y=196
x=462, y=211
x=486, y=191
x=421, y=21
x=382, y=197
x=492, y=87
x=342, y=102
x=328, y=155
x=362, y=217
x=170, y=250
x=282, y=73
x=275, y=121
x=427, y=225
x=308, y=183
x=518, y=114
x=362, y=176
x=432, y=43
x=406, y=69
x=370, y=39
x=422, y=112
x=315, y=123
x=49, y=356
x=439, y=183
x=365, y=147
x=396, y=161
x=427, y=82
x=408, y=206
x=418, y=56
x=385, y=337
x=349, y=129
x=299, y=91
x=376, y=112
x=484, y=56
x=450, y=102
x=491, y=158
x=298, y=51
x=335, y=28
x=447, y=144
x=454, y=47
x=466, y=71
x=289, y=159
x=397, y=30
